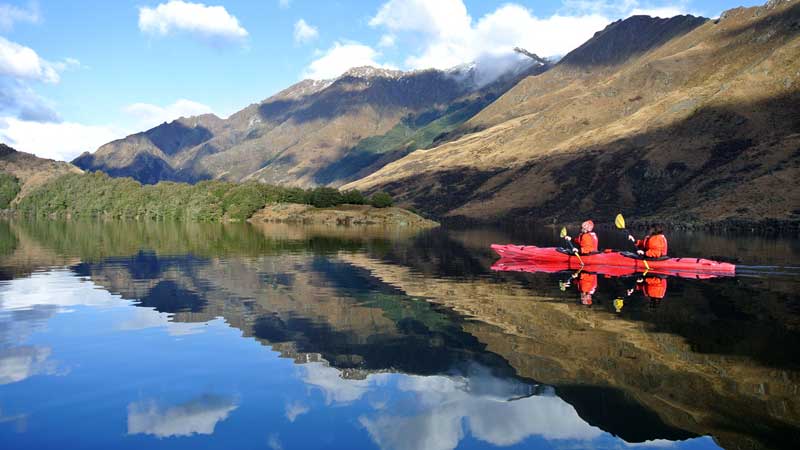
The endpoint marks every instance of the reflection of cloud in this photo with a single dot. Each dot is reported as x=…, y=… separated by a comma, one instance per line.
x=58, y=288
x=19, y=363
x=335, y=388
x=656, y=443
x=274, y=442
x=294, y=410
x=198, y=416
x=142, y=318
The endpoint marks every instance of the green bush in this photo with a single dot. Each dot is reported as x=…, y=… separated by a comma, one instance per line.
x=9, y=188
x=96, y=194
x=325, y=197
x=354, y=197
x=381, y=200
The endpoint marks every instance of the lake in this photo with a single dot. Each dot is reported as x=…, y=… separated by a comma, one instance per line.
x=151, y=335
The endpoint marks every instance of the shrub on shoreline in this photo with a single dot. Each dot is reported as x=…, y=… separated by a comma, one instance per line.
x=99, y=195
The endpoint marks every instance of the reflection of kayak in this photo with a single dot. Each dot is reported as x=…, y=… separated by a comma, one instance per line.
x=521, y=265
x=552, y=255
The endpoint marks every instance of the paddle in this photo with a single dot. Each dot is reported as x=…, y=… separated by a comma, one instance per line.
x=619, y=221
x=572, y=247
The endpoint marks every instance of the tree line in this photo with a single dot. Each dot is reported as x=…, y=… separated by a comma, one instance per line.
x=99, y=195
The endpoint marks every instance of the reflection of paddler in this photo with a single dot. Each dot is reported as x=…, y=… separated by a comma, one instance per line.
x=587, y=285
x=652, y=287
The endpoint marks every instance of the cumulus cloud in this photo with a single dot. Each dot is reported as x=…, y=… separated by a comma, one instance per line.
x=341, y=57
x=198, y=416
x=61, y=141
x=148, y=115
x=387, y=40
x=19, y=67
x=284, y=3
x=18, y=100
x=212, y=24
x=21, y=62
x=303, y=32
x=451, y=37
x=10, y=15
x=446, y=35
x=626, y=8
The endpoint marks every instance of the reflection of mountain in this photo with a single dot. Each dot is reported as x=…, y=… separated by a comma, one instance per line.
x=380, y=306
x=580, y=351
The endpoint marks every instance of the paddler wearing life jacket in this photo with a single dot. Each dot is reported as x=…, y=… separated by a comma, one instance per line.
x=654, y=245
x=587, y=241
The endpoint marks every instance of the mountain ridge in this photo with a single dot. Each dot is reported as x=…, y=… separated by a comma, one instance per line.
x=291, y=136
x=698, y=129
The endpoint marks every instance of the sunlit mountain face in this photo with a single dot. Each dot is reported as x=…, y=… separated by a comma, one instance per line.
x=181, y=335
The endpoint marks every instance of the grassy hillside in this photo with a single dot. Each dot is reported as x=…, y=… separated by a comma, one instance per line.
x=698, y=124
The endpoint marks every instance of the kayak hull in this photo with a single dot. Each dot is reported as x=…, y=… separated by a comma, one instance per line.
x=550, y=256
x=520, y=265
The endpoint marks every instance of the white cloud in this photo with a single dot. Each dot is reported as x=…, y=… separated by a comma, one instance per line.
x=387, y=40
x=198, y=416
x=212, y=24
x=446, y=35
x=148, y=115
x=61, y=141
x=451, y=37
x=22, y=62
x=664, y=12
x=284, y=3
x=303, y=32
x=10, y=14
x=341, y=57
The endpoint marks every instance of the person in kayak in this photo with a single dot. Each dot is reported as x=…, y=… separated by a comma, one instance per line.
x=586, y=242
x=654, y=245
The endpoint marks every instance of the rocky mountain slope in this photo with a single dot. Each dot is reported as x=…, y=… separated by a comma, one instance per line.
x=31, y=171
x=688, y=119
x=315, y=132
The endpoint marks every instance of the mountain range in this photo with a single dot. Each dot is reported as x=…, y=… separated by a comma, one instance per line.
x=315, y=132
x=684, y=119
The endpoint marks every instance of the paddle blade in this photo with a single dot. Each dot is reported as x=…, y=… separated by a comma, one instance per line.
x=563, y=232
x=619, y=221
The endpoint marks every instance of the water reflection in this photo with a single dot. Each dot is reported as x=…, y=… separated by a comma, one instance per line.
x=197, y=416
x=212, y=333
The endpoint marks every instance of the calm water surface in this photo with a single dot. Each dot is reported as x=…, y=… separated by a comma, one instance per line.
x=130, y=335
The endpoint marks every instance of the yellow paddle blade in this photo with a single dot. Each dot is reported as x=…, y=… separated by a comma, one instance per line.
x=563, y=231
x=619, y=221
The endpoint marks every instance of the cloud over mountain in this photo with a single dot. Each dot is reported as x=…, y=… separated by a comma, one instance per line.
x=211, y=24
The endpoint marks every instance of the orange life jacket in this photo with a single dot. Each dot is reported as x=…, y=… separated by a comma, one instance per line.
x=587, y=283
x=586, y=242
x=654, y=287
x=654, y=246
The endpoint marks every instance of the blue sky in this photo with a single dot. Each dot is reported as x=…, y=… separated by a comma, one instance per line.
x=74, y=75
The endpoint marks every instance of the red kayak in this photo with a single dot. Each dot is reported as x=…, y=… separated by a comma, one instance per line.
x=521, y=265
x=563, y=257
